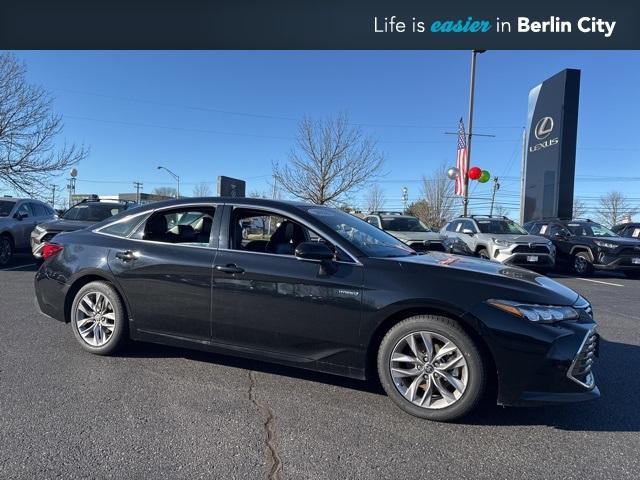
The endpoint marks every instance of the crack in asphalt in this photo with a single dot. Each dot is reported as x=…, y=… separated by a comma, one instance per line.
x=274, y=463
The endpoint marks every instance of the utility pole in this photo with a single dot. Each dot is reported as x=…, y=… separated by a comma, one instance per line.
x=496, y=187
x=465, y=201
x=405, y=198
x=138, y=187
x=53, y=196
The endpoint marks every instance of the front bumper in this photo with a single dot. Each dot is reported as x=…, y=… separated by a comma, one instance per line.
x=541, y=363
x=605, y=260
x=523, y=255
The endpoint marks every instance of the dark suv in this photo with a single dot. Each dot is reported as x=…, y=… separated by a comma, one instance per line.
x=585, y=246
x=630, y=230
x=81, y=215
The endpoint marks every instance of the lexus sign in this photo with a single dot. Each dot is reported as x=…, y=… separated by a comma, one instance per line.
x=542, y=130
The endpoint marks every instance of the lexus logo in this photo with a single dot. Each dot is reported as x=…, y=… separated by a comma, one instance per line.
x=544, y=127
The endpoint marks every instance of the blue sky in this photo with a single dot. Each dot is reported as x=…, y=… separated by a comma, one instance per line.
x=204, y=114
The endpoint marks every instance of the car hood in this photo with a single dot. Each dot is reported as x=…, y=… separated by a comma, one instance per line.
x=420, y=236
x=62, y=225
x=495, y=280
x=518, y=238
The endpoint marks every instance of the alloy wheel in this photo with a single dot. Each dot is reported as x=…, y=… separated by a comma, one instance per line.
x=95, y=318
x=580, y=265
x=429, y=370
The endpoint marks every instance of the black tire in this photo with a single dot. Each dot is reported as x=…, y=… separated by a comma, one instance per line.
x=484, y=253
x=581, y=264
x=477, y=377
x=6, y=250
x=119, y=334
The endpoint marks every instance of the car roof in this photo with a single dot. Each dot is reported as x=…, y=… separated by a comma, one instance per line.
x=258, y=202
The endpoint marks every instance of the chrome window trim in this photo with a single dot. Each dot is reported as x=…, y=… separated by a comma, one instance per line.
x=280, y=255
x=297, y=219
x=590, y=378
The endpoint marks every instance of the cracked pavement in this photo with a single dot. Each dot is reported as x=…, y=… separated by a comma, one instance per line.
x=172, y=413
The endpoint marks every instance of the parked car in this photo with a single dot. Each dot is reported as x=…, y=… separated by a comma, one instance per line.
x=409, y=229
x=499, y=239
x=629, y=230
x=326, y=291
x=585, y=246
x=81, y=215
x=18, y=216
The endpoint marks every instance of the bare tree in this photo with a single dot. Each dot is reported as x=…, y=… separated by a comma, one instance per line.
x=375, y=198
x=614, y=207
x=579, y=207
x=165, y=191
x=331, y=159
x=501, y=210
x=28, y=133
x=202, y=190
x=437, y=192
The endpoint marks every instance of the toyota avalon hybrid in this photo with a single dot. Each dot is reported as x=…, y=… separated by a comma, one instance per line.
x=317, y=288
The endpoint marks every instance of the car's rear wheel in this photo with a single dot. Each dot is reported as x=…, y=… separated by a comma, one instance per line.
x=431, y=368
x=6, y=250
x=582, y=264
x=98, y=318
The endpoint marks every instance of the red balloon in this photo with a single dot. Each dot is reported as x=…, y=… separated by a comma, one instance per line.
x=475, y=173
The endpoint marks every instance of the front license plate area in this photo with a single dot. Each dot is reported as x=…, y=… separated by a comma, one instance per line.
x=532, y=258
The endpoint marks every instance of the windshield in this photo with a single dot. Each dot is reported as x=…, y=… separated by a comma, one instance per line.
x=590, y=230
x=404, y=224
x=501, y=227
x=92, y=212
x=371, y=240
x=5, y=207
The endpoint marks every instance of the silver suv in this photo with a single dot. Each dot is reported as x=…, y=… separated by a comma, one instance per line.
x=408, y=229
x=499, y=239
x=18, y=217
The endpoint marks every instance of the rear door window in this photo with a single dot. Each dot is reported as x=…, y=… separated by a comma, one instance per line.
x=190, y=225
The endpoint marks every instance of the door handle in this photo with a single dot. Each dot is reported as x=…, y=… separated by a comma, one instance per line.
x=231, y=268
x=126, y=255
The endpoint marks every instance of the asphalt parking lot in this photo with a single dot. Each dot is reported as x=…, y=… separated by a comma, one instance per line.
x=158, y=412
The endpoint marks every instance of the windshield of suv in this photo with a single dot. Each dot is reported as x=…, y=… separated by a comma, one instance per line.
x=92, y=212
x=403, y=224
x=5, y=207
x=501, y=227
x=371, y=240
x=590, y=230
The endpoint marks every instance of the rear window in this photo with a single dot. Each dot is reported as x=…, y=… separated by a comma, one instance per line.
x=124, y=227
x=92, y=212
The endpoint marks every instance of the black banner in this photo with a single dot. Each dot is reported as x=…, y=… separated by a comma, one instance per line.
x=319, y=24
x=550, y=160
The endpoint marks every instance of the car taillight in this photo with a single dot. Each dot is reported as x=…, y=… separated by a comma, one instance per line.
x=50, y=249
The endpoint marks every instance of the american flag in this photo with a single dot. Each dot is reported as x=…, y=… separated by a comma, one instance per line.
x=462, y=161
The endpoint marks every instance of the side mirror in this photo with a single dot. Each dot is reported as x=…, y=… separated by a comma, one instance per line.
x=468, y=231
x=20, y=216
x=314, y=251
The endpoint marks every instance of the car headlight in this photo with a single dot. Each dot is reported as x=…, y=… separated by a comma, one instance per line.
x=535, y=313
x=602, y=244
x=501, y=243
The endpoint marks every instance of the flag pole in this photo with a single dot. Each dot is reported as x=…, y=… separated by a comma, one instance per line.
x=465, y=178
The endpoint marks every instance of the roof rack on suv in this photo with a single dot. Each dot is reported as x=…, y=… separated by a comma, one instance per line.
x=565, y=219
x=484, y=216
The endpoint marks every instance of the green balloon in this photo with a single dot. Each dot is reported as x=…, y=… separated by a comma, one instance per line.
x=485, y=176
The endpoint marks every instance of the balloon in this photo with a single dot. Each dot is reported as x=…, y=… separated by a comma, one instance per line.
x=474, y=173
x=453, y=173
x=485, y=176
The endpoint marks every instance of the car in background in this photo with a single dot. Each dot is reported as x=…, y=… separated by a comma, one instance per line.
x=18, y=216
x=498, y=239
x=629, y=230
x=81, y=215
x=409, y=229
x=586, y=246
x=323, y=290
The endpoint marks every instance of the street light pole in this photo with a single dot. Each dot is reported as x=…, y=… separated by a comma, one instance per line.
x=175, y=177
x=465, y=200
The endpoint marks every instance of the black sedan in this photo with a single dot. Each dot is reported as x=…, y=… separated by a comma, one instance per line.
x=314, y=287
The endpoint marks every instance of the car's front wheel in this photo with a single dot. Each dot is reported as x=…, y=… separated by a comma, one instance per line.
x=98, y=318
x=582, y=264
x=431, y=368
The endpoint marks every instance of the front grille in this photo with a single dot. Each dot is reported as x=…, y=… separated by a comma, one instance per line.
x=427, y=246
x=631, y=251
x=580, y=370
x=531, y=249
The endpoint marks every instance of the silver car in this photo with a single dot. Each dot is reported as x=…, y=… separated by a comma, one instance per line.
x=18, y=217
x=498, y=239
x=408, y=229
